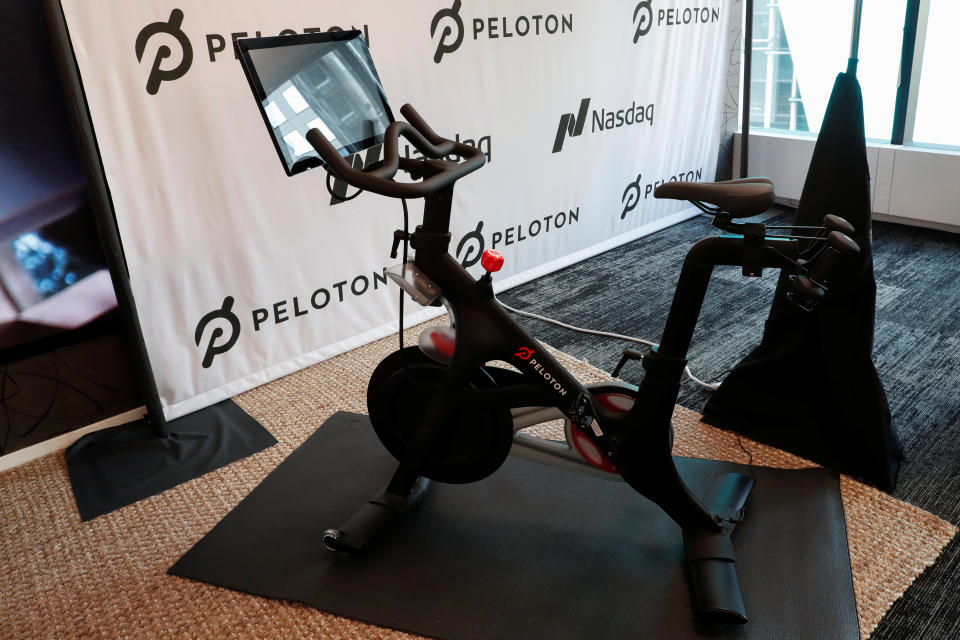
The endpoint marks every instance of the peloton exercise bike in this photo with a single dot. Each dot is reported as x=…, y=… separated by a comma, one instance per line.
x=439, y=407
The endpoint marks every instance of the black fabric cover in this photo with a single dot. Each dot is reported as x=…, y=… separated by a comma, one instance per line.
x=530, y=552
x=810, y=387
x=115, y=467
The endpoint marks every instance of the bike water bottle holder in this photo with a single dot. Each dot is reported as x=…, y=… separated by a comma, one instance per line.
x=414, y=282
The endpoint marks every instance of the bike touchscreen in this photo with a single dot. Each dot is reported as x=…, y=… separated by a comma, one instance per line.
x=324, y=81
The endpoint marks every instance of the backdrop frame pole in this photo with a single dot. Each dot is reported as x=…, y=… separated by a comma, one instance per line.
x=103, y=212
x=855, y=37
x=907, y=53
x=115, y=467
x=745, y=93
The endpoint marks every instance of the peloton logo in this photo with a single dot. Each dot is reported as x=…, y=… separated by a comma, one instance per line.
x=162, y=70
x=450, y=37
x=172, y=28
x=637, y=191
x=372, y=156
x=297, y=308
x=214, y=346
x=643, y=17
x=526, y=354
x=446, y=44
x=572, y=125
x=539, y=369
x=630, y=197
x=471, y=246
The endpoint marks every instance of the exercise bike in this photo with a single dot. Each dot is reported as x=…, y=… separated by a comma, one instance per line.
x=447, y=415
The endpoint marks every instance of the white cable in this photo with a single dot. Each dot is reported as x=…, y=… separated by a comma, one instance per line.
x=706, y=385
x=594, y=332
x=607, y=334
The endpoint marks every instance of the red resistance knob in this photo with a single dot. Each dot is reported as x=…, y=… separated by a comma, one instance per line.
x=491, y=260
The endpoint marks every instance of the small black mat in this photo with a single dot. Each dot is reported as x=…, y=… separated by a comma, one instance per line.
x=115, y=467
x=531, y=551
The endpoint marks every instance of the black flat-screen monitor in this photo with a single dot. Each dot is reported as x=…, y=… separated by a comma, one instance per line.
x=323, y=81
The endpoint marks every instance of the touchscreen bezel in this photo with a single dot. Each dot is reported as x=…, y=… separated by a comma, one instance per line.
x=243, y=48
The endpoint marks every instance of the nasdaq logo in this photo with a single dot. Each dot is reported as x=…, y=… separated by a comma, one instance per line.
x=603, y=119
x=571, y=125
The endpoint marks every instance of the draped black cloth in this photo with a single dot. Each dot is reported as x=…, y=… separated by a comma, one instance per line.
x=810, y=387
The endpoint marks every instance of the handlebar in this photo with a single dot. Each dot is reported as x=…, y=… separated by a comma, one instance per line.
x=380, y=180
x=810, y=288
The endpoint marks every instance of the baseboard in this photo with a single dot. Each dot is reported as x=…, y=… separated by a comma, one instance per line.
x=25, y=455
x=914, y=222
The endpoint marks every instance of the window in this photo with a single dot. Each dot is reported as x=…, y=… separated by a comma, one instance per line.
x=799, y=47
x=275, y=115
x=938, y=94
x=295, y=99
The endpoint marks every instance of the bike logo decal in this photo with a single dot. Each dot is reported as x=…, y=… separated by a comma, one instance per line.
x=525, y=353
x=173, y=28
x=212, y=349
x=646, y=19
x=445, y=45
x=630, y=197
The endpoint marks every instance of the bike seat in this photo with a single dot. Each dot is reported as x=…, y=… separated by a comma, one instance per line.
x=740, y=198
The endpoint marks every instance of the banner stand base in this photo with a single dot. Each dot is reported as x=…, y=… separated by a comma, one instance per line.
x=115, y=467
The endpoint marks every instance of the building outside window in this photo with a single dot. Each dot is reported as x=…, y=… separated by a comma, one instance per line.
x=799, y=46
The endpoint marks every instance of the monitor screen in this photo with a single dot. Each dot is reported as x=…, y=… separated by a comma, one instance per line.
x=323, y=81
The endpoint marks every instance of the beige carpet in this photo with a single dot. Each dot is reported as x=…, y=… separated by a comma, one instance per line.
x=106, y=578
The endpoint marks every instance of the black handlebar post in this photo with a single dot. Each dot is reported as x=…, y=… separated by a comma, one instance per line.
x=426, y=141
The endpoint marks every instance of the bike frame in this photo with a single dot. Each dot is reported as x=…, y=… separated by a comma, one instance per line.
x=639, y=441
x=635, y=440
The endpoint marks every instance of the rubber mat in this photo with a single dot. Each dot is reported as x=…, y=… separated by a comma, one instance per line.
x=531, y=551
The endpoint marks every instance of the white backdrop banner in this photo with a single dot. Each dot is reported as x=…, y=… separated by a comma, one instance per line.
x=242, y=274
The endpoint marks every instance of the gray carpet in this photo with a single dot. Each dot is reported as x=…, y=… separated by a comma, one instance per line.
x=628, y=290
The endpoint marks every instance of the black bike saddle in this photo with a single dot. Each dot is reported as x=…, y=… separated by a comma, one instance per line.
x=740, y=198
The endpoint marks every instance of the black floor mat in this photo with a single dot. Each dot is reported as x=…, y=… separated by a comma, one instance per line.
x=531, y=551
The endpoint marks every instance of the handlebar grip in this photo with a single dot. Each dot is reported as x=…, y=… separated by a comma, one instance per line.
x=840, y=246
x=836, y=223
x=414, y=118
x=809, y=289
x=327, y=151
